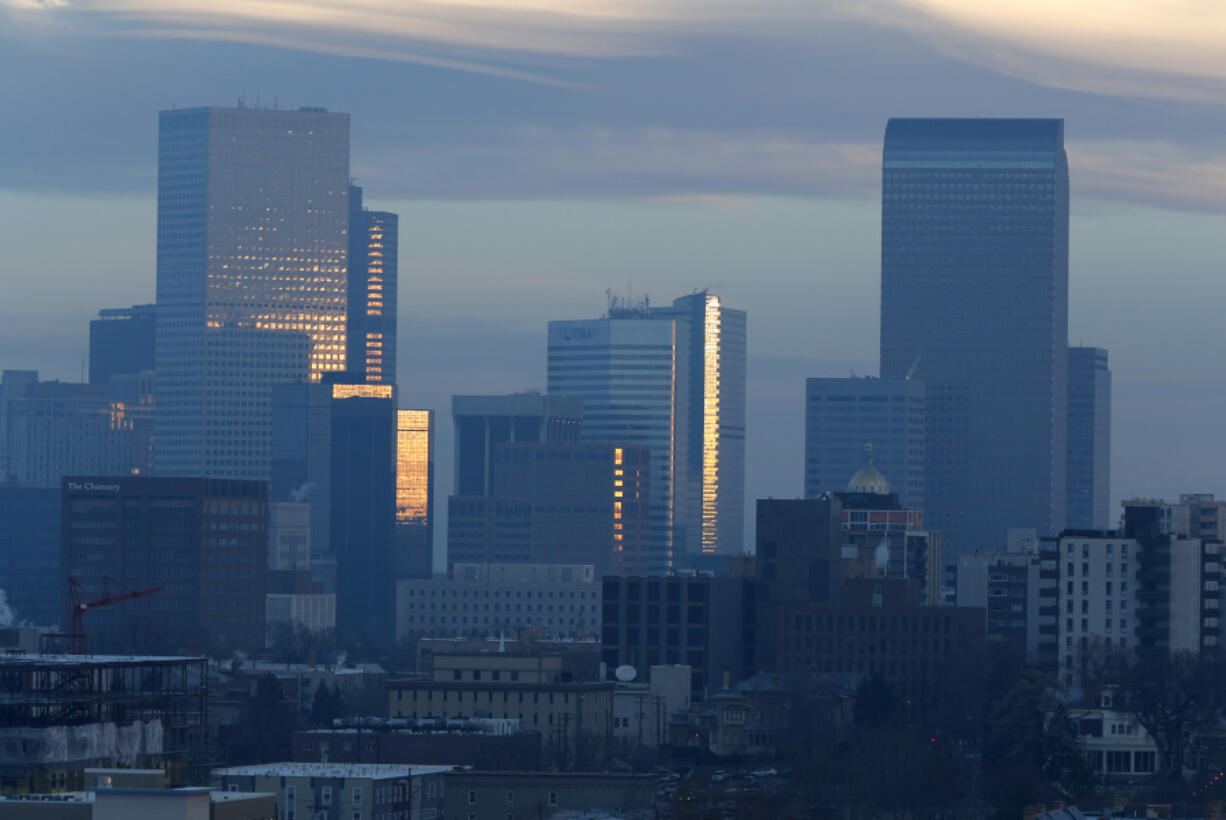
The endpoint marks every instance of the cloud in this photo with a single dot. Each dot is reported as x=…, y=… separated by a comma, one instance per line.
x=1152, y=47
x=1151, y=171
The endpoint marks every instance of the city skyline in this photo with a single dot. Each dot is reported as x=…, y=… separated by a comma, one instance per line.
x=1142, y=201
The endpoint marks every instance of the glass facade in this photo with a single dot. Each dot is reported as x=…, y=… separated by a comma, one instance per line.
x=843, y=416
x=253, y=212
x=974, y=303
x=371, y=332
x=630, y=374
x=414, y=466
x=1089, y=438
x=715, y=398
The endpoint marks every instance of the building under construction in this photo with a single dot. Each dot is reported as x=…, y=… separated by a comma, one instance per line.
x=60, y=714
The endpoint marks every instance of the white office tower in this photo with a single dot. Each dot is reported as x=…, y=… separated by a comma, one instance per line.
x=253, y=215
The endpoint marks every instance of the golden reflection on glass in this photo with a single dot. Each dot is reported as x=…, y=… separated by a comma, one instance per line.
x=710, y=425
x=362, y=391
x=412, y=466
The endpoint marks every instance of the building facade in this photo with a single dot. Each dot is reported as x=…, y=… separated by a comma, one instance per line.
x=630, y=371
x=414, y=493
x=373, y=263
x=844, y=416
x=974, y=303
x=483, y=422
x=252, y=249
x=478, y=795
x=715, y=402
x=30, y=553
x=500, y=599
x=558, y=504
x=335, y=446
x=341, y=791
x=651, y=622
x=202, y=542
x=121, y=342
x=1089, y=439
x=50, y=429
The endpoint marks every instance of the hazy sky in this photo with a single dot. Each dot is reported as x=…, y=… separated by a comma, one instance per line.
x=541, y=151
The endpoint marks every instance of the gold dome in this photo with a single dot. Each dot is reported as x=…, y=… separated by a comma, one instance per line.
x=868, y=479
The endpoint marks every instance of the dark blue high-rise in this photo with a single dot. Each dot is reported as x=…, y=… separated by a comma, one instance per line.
x=974, y=302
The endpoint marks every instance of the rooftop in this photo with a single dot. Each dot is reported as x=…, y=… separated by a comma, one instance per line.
x=22, y=659
x=375, y=771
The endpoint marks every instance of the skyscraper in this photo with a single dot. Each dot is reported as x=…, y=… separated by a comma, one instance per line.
x=631, y=372
x=1089, y=438
x=371, y=328
x=414, y=493
x=121, y=342
x=483, y=422
x=974, y=303
x=844, y=416
x=253, y=209
x=716, y=424
x=335, y=446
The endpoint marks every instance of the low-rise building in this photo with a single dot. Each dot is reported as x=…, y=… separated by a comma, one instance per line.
x=473, y=795
x=1116, y=745
x=487, y=743
x=641, y=710
x=125, y=804
x=574, y=719
x=556, y=600
x=336, y=791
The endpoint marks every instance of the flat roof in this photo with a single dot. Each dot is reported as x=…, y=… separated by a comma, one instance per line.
x=371, y=770
x=26, y=659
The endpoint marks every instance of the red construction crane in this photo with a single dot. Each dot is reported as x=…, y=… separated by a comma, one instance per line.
x=83, y=601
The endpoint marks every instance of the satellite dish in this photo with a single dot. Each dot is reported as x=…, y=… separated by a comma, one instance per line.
x=625, y=673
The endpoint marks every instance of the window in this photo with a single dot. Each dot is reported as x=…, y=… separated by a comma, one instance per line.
x=472, y=798
x=510, y=797
x=553, y=798
x=357, y=795
x=325, y=796
x=233, y=787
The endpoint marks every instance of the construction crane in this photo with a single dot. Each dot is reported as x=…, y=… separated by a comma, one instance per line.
x=83, y=601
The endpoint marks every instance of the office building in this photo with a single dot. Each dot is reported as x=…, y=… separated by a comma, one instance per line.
x=253, y=210
x=110, y=802
x=121, y=342
x=651, y=622
x=344, y=790
x=30, y=553
x=202, y=542
x=371, y=327
x=483, y=422
x=1089, y=439
x=414, y=494
x=974, y=303
x=716, y=425
x=845, y=417
x=335, y=447
x=507, y=600
x=631, y=373
x=49, y=429
x=558, y=504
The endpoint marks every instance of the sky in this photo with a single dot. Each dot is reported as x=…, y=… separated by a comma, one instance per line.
x=541, y=152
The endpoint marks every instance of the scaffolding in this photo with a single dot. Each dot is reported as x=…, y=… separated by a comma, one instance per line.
x=71, y=710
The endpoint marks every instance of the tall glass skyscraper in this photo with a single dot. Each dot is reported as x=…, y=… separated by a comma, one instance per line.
x=974, y=303
x=716, y=423
x=371, y=329
x=630, y=373
x=253, y=213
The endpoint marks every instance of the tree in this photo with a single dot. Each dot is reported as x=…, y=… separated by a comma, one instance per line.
x=875, y=702
x=326, y=705
x=270, y=721
x=1174, y=697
